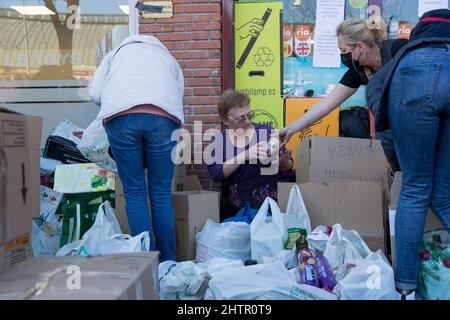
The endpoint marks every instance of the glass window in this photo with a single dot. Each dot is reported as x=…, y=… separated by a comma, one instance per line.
x=50, y=49
x=299, y=24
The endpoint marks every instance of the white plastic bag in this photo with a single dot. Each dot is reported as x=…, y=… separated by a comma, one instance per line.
x=45, y=237
x=296, y=217
x=367, y=279
x=68, y=130
x=105, y=237
x=262, y=282
x=343, y=246
x=268, y=233
x=287, y=257
x=94, y=146
x=223, y=240
x=318, y=238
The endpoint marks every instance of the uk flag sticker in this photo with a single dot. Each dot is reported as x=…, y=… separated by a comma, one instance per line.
x=302, y=48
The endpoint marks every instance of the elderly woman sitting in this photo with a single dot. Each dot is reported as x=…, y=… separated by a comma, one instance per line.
x=250, y=163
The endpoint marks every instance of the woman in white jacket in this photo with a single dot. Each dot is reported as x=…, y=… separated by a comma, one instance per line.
x=140, y=86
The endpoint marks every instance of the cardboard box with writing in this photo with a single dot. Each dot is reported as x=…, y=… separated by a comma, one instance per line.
x=15, y=177
x=328, y=159
x=192, y=209
x=355, y=205
x=15, y=252
x=432, y=222
x=127, y=276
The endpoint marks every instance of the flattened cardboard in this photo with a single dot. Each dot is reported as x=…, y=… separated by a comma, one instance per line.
x=329, y=159
x=129, y=276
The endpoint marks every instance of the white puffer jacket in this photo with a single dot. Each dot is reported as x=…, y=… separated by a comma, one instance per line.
x=139, y=71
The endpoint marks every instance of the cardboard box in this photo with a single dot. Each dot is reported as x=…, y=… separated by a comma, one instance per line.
x=355, y=205
x=327, y=159
x=327, y=126
x=15, y=252
x=121, y=214
x=192, y=209
x=35, y=133
x=432, y=222
x=128, y=276
x=15, y=176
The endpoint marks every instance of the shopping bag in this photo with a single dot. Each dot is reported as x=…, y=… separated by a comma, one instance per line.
x=267, y=232
x=434, y=277
x=263, y=281
x=45, y=237
x=229, y=240
x=105, y=237
x=295, y=218
x=371, y=278
x=318, y=238
x=246, y=214
x=94, y=146
x=343, y=246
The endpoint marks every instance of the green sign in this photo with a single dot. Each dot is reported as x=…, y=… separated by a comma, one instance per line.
x=258, y=54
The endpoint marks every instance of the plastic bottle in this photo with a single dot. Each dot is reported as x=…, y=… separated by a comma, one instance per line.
x=301, y=242
x=393, y=27
x=299, y=85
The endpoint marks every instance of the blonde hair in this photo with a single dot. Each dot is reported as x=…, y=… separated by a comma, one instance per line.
x=230, y=99
x=372, y=32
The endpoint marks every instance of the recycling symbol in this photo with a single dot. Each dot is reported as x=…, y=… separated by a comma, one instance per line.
x=264, y=57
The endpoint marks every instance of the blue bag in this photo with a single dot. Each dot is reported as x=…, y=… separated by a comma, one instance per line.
x=246, y=214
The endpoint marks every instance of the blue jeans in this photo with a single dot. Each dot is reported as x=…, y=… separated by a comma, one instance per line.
x=136, y=137
x=419, y=115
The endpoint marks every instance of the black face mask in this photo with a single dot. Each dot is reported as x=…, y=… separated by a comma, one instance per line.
x=347, y=59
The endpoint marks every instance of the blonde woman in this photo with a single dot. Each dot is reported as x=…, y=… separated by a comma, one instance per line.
x=364, y=50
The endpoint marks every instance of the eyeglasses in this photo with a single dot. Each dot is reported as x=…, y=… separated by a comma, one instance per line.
x=242, y=119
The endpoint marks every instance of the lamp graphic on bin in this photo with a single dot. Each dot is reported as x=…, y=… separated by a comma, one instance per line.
x=252, y=41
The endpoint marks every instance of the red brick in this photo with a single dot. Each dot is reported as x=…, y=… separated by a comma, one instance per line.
x=150, y=28
x=200, y=92
x=204, y=82
x=182, y=55
x=216, y=91
x=200, y=55
x=202, y=18
x=203, y=45
x=174, y=36
x=203, y=64
x=192, y=8
x=200, y=36
x=215, y=54
x=217, y=17
x=215, y=35
x=201, y=100
x=205, y=110
x=177, y=19
x=178, y=45
x=204, y=26
x=179, y=28
x=200, y=73
x=207, y=119
x=188, y=92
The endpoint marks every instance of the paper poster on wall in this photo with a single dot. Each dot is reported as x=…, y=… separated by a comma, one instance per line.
x=329, y=14
x=428, y=5
x=258, y=54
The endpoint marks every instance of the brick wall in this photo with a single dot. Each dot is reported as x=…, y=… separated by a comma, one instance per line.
x=193, y=36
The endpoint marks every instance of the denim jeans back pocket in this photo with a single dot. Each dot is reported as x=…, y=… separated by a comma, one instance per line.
x=166, y=126
x=117, y=126
x=416, y=85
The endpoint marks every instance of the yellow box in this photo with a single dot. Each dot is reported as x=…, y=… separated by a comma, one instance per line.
x=297, y=107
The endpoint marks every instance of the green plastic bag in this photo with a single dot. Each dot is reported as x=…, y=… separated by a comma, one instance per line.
x=434, y=277
x=79, y=211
